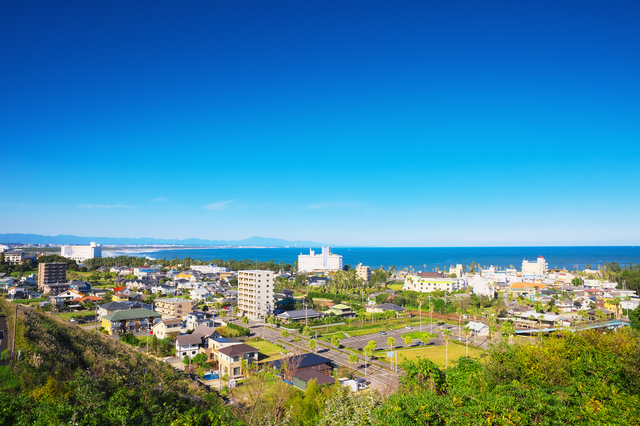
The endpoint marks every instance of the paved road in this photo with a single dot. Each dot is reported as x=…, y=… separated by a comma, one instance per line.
x=359, y=342
x=379, y=378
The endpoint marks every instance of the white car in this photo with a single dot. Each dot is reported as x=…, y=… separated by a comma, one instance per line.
x=409, y=327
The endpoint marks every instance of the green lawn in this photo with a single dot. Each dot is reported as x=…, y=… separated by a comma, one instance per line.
x=69, y=315
x=434, y=353
x=269, y=350
x=30, y=301
x=395, y=286
x=418, y=335
x=328, y=337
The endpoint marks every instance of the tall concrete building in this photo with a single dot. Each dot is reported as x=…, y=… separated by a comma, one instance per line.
x=324, y=262
x=534, y=269
x=51, y=273
x=173, y=307
x=81, y=253
x=255, y=292
x=363, y=272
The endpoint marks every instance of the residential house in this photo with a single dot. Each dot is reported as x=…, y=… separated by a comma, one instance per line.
x=200, y=293
x=120, y=297
x=163, y=328
x=478, y=328
x=386, y=307
x=54, y=289
x=17, y=293
x=189, y=344
x=196, y=318
x=340, y=310
x=129, y=320
x=298, y=315
x=230, y=358
x=80, y=286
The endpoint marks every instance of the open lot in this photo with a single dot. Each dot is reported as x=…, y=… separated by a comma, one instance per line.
x=434, y=353
x=271, y=351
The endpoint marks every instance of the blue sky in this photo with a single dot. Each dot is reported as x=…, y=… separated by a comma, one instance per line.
x=416, y=123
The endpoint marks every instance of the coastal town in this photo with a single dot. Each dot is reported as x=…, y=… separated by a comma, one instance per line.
x=341, y=324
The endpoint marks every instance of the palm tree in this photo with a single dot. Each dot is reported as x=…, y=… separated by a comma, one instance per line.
x=244, y=319
x=391, y=341
x=312, y=344
x=616, y=302
x=467, y=333
x=459, y=313
x=284, y=333
x=408, y=340
x=447, y=335
x=335, y=341
x=353, y=358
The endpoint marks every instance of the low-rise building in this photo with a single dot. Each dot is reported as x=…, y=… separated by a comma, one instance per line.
x=386, y=307
x=298, y=315
x=164, y=327
x=129, y=320
x=424, y=282
x=173, y=307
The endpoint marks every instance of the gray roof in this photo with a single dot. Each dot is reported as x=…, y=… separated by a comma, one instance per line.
x=390, y=307
x=190, y=339
x=301, y=313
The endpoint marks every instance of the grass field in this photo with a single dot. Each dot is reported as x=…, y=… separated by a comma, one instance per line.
x=328, y=337
x=434, y=353
x=268, y=351
x=30, y=301
x=69, y=315
x=418, y=335
x=395, y=286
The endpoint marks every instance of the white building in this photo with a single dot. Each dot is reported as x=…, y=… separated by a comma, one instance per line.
x=426, y=285
x=81, y=253
x=363, y=272
x=324, y=262
x=209, y=269
x=534, y=269
x=255, y=292
x=458, y=270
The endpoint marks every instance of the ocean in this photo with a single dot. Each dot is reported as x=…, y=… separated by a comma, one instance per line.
x=418, y=258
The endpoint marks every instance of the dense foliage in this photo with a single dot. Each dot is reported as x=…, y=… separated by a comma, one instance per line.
x=66, y=375
x=183, y=264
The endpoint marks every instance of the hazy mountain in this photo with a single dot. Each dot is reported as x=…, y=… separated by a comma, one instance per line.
x=73, y=239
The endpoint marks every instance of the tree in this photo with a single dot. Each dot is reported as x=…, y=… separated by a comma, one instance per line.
x=244, y=320
x=312, y=344
x=353, y=358
x=634, y=317
x=446, y=335
x=200, y=359
x=284, y=333
x=335, y=341
x=616, y=302
x=391, y=341
x=424, y=340
x=467, y=333
x=408, y=340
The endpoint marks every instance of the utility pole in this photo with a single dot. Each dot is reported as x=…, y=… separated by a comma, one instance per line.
x=13, y=341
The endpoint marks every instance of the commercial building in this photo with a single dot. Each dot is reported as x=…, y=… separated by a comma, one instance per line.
x=209, y=269
x=255, y=293
x=534, y=269
x=363, y=272
x=324, y=262
x=81, y=253
x=425, y=283
x=51, y=273
x=173, y=307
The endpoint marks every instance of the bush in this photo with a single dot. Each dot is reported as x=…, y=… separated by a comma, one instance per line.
x=101, y=328
x=129, y=339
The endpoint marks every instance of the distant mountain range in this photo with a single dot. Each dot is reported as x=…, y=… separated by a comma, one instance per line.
x=73, y=239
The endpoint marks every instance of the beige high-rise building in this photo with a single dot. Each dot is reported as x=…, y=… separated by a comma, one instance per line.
x=255, y=293
x=173, y=307
x=363, y=272
x=51, y=273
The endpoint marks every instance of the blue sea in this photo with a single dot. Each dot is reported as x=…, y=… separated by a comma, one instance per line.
x=418, y=258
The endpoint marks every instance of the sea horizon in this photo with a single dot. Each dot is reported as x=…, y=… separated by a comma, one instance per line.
x=417, y=258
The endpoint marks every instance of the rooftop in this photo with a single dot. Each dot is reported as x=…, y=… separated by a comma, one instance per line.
x=237, y=350
x=131, y=314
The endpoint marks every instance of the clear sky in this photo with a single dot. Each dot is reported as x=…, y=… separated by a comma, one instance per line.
x=414, y=123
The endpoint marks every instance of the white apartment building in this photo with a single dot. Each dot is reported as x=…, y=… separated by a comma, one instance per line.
x=458, y=270
x=324, y=262
x=363, y=272
x=535, y=269
x=426, y=285
x=255, y=292
x=209, y=269
x=81, y=253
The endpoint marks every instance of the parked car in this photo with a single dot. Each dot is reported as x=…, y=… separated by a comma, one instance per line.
x=409, y=327
x=384, y=333
x=72, y=320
